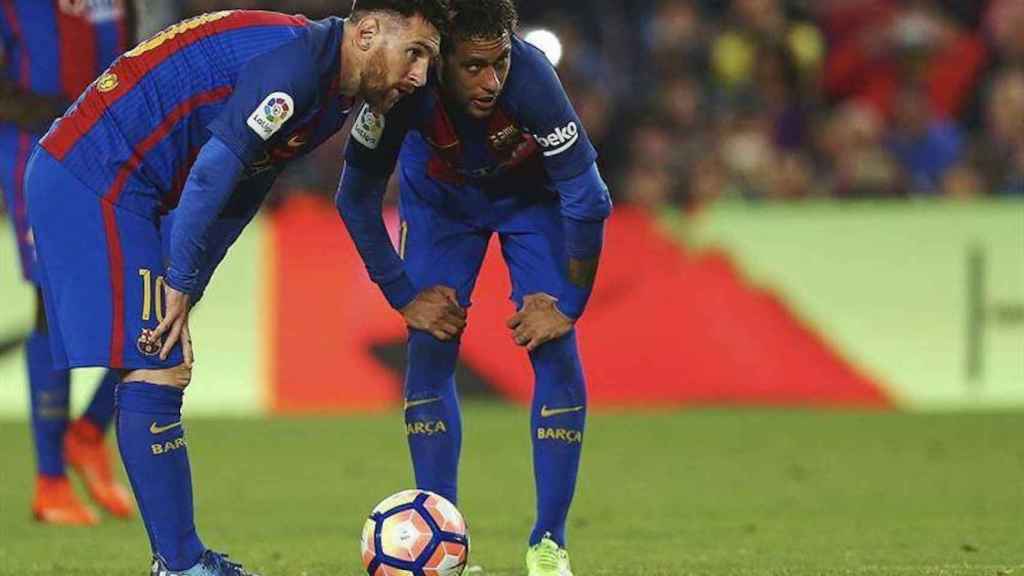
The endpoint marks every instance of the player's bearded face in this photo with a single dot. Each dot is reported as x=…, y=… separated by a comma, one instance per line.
x=474, y=73
x=399, y=64
x=376, y=87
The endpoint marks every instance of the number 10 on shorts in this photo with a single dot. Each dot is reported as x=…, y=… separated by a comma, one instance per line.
x=151, y=296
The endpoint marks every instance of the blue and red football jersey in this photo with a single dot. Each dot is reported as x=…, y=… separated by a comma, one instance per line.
x=532, y=139
x=51, y=48
x=264, y=83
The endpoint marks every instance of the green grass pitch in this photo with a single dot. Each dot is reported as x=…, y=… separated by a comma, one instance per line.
x=746, y=492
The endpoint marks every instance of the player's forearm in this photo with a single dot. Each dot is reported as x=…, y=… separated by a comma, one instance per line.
x=585, y=197
x=359, y=201
x=212, y=179
x=27, y=110
x=585, y=206
x=584, y=241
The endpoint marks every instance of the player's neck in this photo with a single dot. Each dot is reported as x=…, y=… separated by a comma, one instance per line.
x=352, y=61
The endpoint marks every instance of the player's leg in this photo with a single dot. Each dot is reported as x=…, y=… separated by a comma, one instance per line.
x=151, y=435
x=55, y=501
x=102, y=268
x=49, y=396
x=49, y=391
x=86, y=450
x=99, y=414
x=80, y=445
x=437, y=251
x=533, y=247
x=557, y=420
x=149, y=418
x=433, y=420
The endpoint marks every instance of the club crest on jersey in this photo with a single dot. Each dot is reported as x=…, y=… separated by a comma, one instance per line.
x=560, y=140
x=271, y=115
x=147, y=345
x=506, y=137
x=107, y=82
x=368, y=128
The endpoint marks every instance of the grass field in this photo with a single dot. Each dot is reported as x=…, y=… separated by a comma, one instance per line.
x=661, y=494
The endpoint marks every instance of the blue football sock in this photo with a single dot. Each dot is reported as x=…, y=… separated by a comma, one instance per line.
x=433, y=422
x=101, y=409
x=557, y=421
x=50, y=397
x=152, y=444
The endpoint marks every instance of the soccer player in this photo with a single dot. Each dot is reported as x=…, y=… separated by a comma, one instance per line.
x=202, y=117
x=491, y=145
x=51, y=51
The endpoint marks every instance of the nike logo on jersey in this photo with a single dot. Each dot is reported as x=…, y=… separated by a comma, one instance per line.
x=154, y=429
x=415, y=403
x=546, y=412
x=296, y=141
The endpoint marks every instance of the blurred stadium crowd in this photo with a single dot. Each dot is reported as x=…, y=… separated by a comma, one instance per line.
x=694, y=100
x=689, y=101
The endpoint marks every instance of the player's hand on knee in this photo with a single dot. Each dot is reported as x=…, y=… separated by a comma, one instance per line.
x=436, y=310
x=186, y=345
x=175, y=325
x=538, y=321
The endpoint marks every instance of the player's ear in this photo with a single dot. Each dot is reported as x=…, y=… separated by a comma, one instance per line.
x=367, y=32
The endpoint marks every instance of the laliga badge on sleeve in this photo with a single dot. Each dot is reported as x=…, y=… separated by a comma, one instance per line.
x=368, y=128
x=271, y=115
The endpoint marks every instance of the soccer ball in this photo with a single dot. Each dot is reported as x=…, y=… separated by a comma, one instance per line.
x=415, y=533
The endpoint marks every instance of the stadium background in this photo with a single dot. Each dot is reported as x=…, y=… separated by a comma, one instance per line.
x=825, y=200
x=805, y=351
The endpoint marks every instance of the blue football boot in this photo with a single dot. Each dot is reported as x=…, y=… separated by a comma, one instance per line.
x=210, y=564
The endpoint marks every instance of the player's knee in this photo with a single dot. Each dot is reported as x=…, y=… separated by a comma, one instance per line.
x=421, y=340
x=559, y=361
x=560, y=349
x=431, y=362
x=425, y=348
x=179, y=376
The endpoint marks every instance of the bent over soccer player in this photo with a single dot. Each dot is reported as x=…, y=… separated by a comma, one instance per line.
x=50, y=52
x=493, y=146
x=203, y=116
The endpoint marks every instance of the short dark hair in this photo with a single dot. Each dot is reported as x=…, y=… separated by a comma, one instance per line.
x=436, y=12
x=481, y=19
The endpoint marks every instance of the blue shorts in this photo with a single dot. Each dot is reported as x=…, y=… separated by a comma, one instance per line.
x=444, y=244
x=101, y=272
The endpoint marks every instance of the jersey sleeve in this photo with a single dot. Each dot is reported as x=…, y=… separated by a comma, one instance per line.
x=376, y=140
x=272, y=89
x=544, y=109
